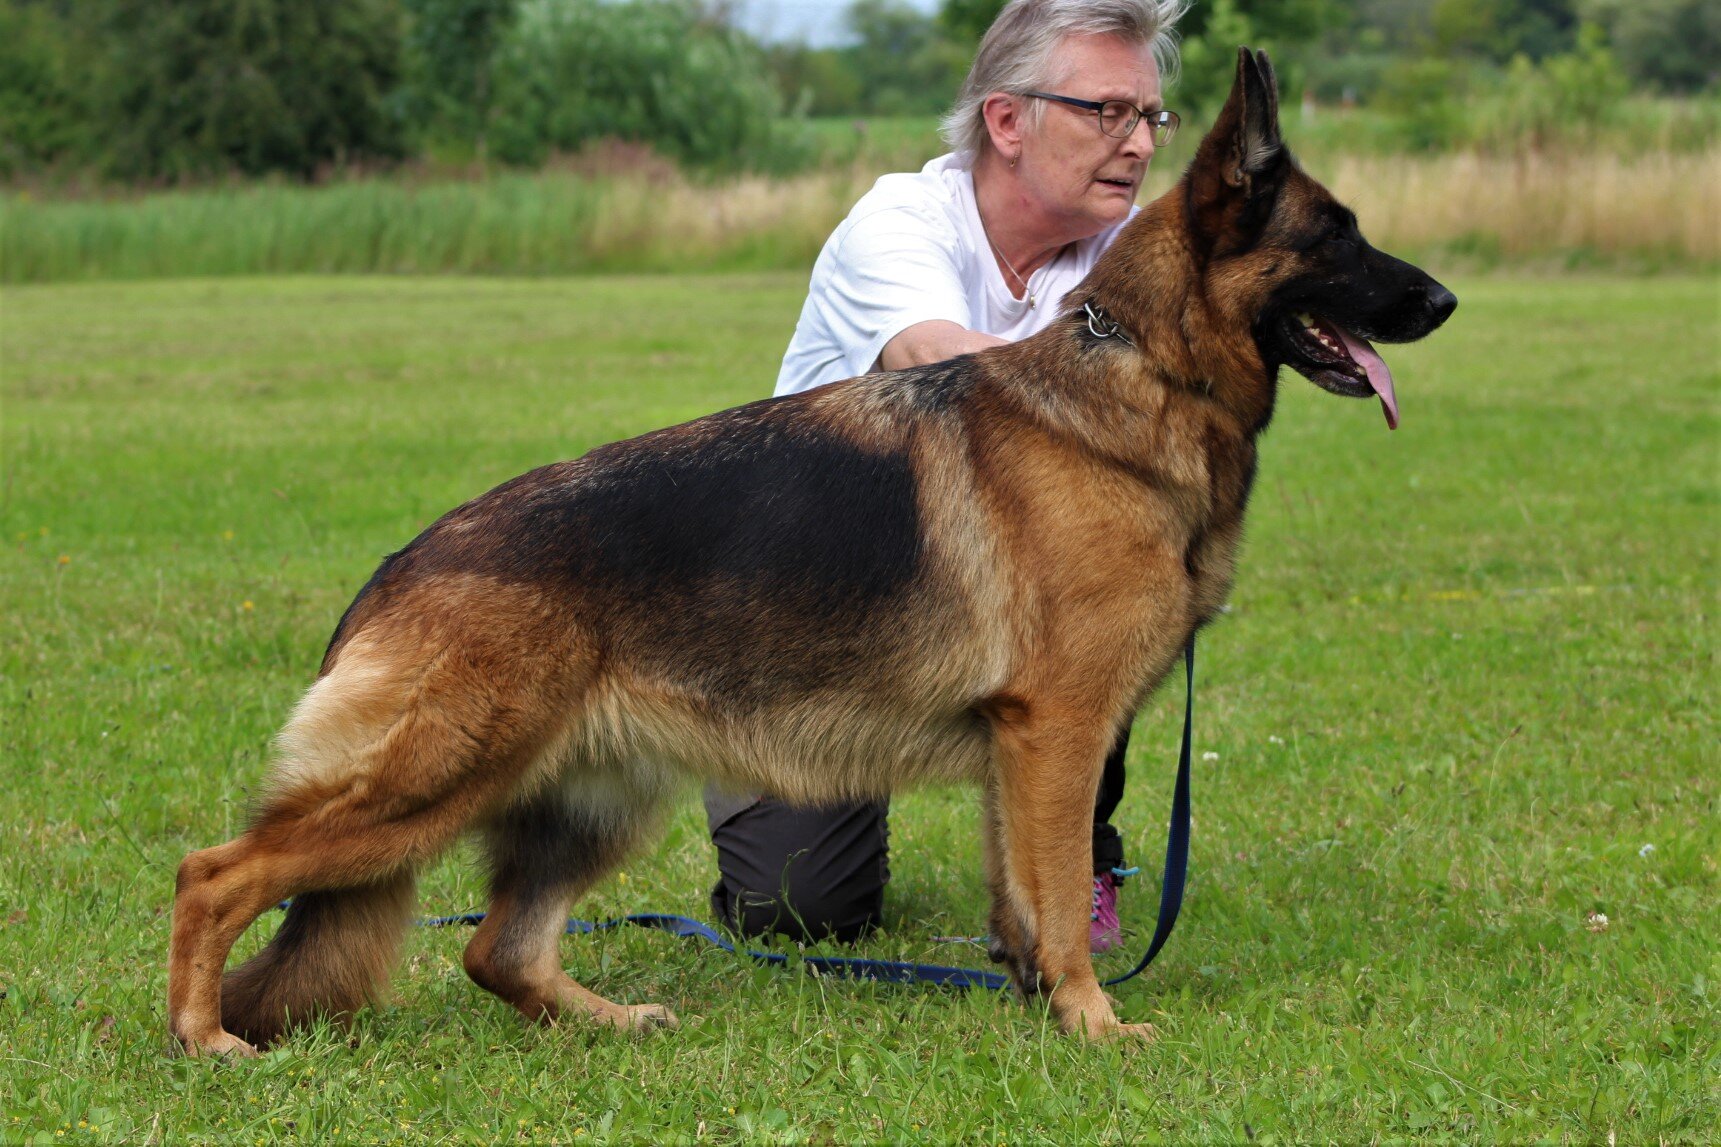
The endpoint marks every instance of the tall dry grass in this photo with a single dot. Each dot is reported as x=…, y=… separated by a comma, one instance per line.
x=1648, y=211
x=1659, y=207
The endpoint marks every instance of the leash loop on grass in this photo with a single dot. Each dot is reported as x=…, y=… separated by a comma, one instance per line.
x=908, y=972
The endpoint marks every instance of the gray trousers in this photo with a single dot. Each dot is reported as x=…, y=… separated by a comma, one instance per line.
x=819, y=873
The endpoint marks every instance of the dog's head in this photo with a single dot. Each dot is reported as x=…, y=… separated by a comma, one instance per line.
x=1287, y=258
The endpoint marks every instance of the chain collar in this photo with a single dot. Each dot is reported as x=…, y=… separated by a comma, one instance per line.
x=1103, y=326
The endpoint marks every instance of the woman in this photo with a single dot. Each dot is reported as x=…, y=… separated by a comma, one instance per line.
x=1050, y=139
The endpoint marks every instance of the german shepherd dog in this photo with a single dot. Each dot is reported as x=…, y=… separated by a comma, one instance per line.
x=976, y=570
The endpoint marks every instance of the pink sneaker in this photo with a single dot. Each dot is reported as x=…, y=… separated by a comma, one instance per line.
x=1104, y=931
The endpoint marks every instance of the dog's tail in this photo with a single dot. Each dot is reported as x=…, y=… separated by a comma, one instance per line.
x=332, y=956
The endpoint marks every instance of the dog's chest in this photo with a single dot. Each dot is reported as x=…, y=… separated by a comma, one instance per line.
x=1211, y=554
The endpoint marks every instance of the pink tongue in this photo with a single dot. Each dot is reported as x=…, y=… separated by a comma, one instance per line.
x=1378, y=376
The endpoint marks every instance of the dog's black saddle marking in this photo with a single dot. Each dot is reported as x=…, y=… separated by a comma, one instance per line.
x=763, y=505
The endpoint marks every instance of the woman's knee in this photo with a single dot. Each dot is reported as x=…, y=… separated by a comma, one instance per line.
x=808, y=874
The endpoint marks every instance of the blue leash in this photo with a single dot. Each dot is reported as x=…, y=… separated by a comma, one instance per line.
x=905, y=972
x=891, y=971
x=1177, y=837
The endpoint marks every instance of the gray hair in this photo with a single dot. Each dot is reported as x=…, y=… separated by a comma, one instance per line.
x=1016, y=54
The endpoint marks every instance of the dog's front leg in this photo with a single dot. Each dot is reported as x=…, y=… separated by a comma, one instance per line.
x=1040, y=863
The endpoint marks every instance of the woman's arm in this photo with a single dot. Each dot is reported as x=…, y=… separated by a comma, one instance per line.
x=932, y=341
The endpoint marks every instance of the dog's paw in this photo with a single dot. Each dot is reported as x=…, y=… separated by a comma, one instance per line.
x=644, y=1018
x=221, y=1044
x=1135, y=1033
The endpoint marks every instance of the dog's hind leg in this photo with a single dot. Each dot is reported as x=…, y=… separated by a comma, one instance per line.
x=543, y=855
x=1040, y=860
x=383, y=765
x=352, y=889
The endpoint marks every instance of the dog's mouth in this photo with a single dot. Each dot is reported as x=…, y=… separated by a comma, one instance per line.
x=1338, y=361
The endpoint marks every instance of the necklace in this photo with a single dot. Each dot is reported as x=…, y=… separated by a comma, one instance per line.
x=1020, y=282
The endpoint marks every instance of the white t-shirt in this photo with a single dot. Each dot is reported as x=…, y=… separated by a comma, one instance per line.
x=910, y=251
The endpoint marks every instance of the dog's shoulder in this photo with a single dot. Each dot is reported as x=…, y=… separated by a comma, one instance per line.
x=934, y=389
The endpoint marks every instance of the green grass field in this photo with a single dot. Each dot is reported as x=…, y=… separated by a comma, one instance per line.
x=1464, y=703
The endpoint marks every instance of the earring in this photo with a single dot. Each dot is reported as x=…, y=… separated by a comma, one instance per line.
x=1014, y=158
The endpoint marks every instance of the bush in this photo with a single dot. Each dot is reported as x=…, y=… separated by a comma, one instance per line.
x=1673, y=45
x=1209, y=61
x=1427, y=98
x=1565, y=101
x=203, y=87
x=448, y=83
x=44, y=114
x=652, y=71
x=815, y=81
x=905, y=64
x=1351, y=76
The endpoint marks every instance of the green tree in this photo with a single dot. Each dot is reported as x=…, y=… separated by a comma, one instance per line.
x=1498, y=30
x=1465, y=26
x=197, y=87
x=451, y=48
x=1402, y=26
x=1274, y=21
x=44, y=109
x=815, y=81
x=967, y=20
x=904, y=62
x=1539, y=28
x=1210, y=57
x=1281, y=20
x=661, y=72
x=1211, y=31
x=1674, y=45
x=1554, y=99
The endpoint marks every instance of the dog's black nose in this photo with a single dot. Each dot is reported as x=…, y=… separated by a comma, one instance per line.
x=1442, y=301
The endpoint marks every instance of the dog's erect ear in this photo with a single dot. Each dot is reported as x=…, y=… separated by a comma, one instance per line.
x=1261, y=126
x=1242, y=157
x=1245, y=138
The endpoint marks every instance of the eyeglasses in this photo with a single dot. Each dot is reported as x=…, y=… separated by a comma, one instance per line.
x=1119, y=117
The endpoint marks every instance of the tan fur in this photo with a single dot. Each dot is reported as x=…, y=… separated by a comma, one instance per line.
x=329, y=958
